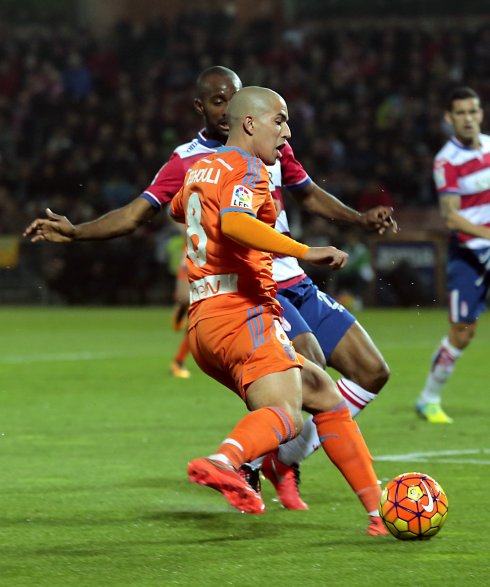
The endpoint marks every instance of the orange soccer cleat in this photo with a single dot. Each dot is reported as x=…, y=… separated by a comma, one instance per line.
x=285, y=479
x=226, y=480
x=376, y=527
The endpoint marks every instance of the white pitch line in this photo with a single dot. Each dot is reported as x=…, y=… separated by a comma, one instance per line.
x=439, y=457
x=459, y=461
x=55, y=357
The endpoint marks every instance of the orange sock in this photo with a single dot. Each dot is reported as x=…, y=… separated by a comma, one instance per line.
x=256, y=434
x=345, y=446
x=183, y=349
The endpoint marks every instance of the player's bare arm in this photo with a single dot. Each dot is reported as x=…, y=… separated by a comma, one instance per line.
x=330, y=256
x=449, y=205
x=379, y=219
x=58, y=229
x=317, y=201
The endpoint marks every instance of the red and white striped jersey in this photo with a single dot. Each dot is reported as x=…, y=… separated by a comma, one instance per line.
x=463, y=171
x=170, y=177
x=286, y=172
x=289, y=173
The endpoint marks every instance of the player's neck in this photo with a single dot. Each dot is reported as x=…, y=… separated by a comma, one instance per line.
x=213, y=136
x=240, y=142
x=470, y=143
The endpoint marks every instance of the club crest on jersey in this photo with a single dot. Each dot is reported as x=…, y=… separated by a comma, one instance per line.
x=242, y=197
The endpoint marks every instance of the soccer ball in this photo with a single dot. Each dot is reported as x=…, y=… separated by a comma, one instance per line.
x=413, y=506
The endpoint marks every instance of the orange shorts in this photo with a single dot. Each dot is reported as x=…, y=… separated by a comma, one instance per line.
x=237, y=349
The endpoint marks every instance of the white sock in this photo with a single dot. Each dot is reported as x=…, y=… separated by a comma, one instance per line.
x=301, y=447
x=297, y=450
x=257, y=463
x=357, y=397
x=443, y=362
x=220, y=458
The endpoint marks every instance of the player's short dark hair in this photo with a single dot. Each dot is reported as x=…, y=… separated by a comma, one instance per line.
x=461, y=93
x=213, y=71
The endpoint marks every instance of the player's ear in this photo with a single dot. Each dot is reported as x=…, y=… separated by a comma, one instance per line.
x=447, y=117
x=248, y=125
x=481, y=114
x=198, y=106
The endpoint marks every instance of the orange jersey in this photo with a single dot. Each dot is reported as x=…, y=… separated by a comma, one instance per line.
x=225, y=276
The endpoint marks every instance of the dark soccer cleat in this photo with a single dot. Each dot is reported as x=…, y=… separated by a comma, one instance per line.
x=251, y=476
x=285, y=479
x=226, y=480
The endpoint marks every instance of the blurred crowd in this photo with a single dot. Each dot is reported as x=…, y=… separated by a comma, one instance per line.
x=86, y=121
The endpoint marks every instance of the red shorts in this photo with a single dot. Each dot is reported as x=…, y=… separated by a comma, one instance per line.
x=237, y=349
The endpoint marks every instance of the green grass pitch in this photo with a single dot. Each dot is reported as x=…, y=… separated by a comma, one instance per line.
x=95, y=437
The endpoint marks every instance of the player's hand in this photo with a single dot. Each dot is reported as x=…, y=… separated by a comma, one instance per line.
x=54, y=228
x=379, y=219
x=331, y=256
